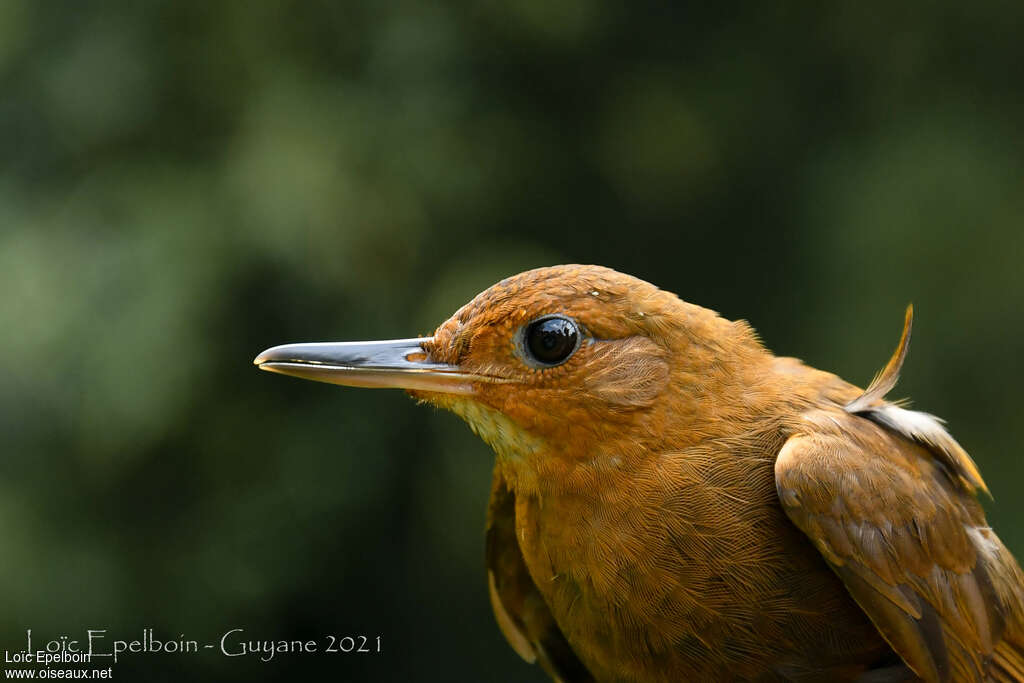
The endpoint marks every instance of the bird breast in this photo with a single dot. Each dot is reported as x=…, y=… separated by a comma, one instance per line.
x=681, y=564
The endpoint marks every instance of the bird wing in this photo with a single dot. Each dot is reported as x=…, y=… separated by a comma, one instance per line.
x=889, y=499
x=522, y=615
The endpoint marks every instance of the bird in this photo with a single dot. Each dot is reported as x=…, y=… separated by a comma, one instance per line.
x=673, y=502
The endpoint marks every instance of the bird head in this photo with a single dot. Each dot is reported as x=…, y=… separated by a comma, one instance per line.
x=553, y=364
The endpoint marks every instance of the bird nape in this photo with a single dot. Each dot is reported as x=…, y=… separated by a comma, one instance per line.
x=673, y=502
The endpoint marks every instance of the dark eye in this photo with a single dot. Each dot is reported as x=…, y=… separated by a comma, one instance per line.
x=550, y=341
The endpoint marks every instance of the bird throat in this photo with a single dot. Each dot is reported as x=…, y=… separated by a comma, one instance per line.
x=510, y=442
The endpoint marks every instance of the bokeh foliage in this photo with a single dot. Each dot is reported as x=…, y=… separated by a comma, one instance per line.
x=185, y=183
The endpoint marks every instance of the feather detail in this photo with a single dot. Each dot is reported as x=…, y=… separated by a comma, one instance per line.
x=928, y=431
x=887, y=377
x=917, y=426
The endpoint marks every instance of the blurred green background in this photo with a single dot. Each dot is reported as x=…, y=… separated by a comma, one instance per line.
x=183, y=184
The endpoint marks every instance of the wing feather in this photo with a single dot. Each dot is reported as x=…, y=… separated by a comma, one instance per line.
x=907, y=536
x=522, y=615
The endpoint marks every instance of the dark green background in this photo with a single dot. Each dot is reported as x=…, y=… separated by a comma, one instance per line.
x=185, y=183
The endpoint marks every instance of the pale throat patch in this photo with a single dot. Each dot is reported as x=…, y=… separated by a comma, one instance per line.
x=509, y=440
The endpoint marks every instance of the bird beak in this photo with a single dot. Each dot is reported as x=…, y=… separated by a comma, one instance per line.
x=395, y=364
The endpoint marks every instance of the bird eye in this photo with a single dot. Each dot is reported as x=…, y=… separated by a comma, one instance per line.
x=551, y=340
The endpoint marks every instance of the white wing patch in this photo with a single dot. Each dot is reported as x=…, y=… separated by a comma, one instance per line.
x=984, y=540
x=928, y=431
